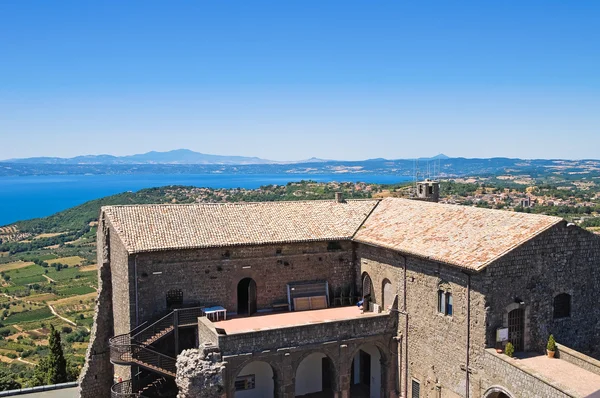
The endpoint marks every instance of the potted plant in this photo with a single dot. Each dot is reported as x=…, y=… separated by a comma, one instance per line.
x=551, y=346
x=509, y=349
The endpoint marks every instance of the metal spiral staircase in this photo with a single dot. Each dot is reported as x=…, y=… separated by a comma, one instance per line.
x=136, y=348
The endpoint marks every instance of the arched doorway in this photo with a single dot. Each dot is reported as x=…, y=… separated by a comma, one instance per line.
x=497, y=392
x=246, y=297
x=516, y=328
x=255, y=380
x=315, y=376
x=366, y=372
x=387, y=296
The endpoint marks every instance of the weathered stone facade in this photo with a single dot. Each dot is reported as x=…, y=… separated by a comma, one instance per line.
x=419, y=343
x=210, y=276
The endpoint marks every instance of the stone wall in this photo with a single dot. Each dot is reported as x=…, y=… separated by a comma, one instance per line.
x=97, y=375
x=206, y=332
x=433, y=345
x=564, y=259
x=577, y=359
x=211, y=276
x=285, y=363
x=123, y=294
x=504, y=374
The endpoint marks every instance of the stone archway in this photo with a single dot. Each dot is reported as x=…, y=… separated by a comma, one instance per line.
x=256, y=379
x=367, y=288
x=368, y=372
x=497, y=392
x=315, y=376
x=246, y=297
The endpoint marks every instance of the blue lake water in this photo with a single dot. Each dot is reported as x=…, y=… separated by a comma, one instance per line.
x=28, y=197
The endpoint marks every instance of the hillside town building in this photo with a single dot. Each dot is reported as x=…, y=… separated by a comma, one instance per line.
x=342, y=298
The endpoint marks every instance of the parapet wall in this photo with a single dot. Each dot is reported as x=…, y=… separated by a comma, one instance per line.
x=500, y=370
x=297, y=336
x=578, y=359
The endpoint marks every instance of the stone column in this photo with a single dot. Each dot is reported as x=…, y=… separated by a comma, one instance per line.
x=288, y=384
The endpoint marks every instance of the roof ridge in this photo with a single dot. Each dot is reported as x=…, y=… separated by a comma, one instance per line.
x=242, y=203
x=473, y=208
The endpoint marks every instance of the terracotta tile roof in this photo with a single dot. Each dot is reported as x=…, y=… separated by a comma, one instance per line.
x=463, y=236
x=162, y=227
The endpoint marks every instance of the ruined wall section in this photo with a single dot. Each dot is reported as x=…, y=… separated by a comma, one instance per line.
x=97, y=375
x=563, y=259
x=211, y=276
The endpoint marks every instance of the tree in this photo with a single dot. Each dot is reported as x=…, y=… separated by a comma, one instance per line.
x=53, y=368
x=7, y=381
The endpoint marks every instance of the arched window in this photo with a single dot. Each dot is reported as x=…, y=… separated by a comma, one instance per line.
x=562, y=306
x=387, y=295
x=367, y=287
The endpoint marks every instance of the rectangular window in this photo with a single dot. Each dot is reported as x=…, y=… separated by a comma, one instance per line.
x=441, y=302
x=244, y=383
x=416, y=389
x=445, y=302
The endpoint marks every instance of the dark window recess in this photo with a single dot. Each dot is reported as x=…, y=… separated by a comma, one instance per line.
x=445, y=302
x=244, y=383
x=174, y=298
x=416, y=389
x=431, y=189
x=333, y=246
x=278, y=252
x=562, y=306
x=226, y=254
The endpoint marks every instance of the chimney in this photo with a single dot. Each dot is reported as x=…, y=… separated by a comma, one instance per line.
x=339, y=198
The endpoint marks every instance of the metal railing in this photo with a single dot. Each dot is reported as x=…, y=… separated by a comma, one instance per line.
x=129, y=354
x=168, y=323
x=128, y=349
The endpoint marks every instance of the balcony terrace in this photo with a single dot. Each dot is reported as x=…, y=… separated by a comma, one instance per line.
x=273, y=331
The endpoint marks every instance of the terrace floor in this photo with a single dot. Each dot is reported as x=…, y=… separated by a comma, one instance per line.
x=572, y=377
x=266, y=321
x=575, y=378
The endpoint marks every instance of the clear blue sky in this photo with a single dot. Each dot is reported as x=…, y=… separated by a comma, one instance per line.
x=295, y=79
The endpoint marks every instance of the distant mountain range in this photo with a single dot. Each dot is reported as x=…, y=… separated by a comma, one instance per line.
x=178, y=156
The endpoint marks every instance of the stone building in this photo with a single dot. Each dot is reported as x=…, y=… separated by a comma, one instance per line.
x=260, y=300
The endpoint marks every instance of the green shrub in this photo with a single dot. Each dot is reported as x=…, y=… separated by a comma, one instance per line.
x=551, y=346
x=509, y=349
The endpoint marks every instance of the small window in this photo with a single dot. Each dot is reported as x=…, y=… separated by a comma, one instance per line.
x=334, y=246
x=244, y=383
x=278, y=252
x=431, y=189
x=445, y=302
x=174, y=298
x=562, y=306
x=416, y=389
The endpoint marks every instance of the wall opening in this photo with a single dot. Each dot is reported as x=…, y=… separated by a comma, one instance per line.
x=174, y=298
x=246, y=297
x=367, y=288
x=516, y=328
x=315, y=374
x=255, y=380
x=366, y=374
x=562, y=306
x=388, y=294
